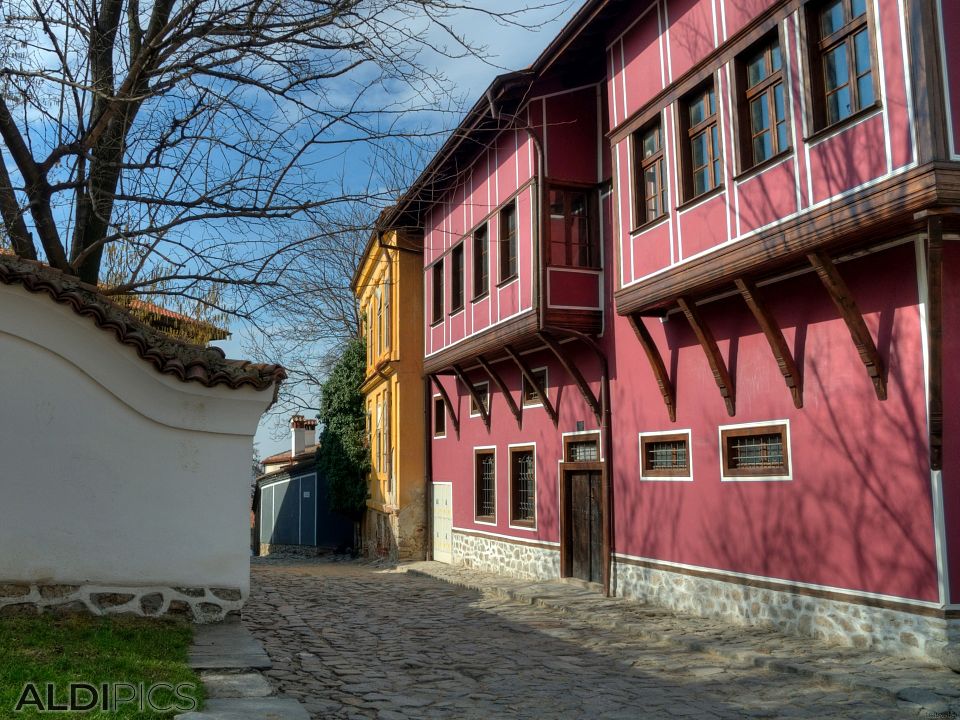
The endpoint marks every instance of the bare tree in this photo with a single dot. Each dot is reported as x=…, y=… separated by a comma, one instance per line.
x=199, y=135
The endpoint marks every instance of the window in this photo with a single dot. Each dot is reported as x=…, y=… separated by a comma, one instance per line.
x=456, y=279
x=571, y=240
x=387, y=292
x=378, y=306
x=530, y=395
x=481, y=262
x=582, y=450
x=439, y=418
x=755, y=452
x=651, y=177
x=486, y=485
x=763, y=113
x=841, y=60
x=523, y=486
x=665, y=456
x=508, y=242
x=483, y=390
x=437, y=308
x=701, y=149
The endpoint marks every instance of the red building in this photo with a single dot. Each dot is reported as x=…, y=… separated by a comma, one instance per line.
x=691, y=287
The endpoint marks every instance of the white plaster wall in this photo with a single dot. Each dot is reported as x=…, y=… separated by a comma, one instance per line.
x=110, y=472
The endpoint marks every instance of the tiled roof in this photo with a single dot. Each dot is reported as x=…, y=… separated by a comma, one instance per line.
x=284, y=457
x=188, y=363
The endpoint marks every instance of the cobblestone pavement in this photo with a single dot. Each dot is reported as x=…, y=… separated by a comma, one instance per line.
x=352, y=641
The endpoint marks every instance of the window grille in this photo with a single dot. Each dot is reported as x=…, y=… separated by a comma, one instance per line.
x=755, y=452
x=523, y=482
x=583, y=451
x=486, y=485
x=668, y=455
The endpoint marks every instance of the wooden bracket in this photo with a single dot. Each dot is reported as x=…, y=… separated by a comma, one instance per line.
x=774, y=335
x=446, y=401
x=935, y=338
x=498, y=381
x=478, y=401
x=577, y=376
x=710, y=349
x=530, y=378
x=656, y=364
x=840, y=294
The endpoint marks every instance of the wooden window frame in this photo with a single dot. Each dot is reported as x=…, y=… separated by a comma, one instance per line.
x=436, y=295
x=782, y=472
x=818, y=46
x=640, y=165
x=457, y=278
x=676, y=474
x=481, y=261
x=439, y=413
x=570, y=250
x=591, y=436
x=746, y=95
x=478, y=453
x=485, y=394
x=509, y=242
x=515, y=522
x=689, y=132
x=538, y=402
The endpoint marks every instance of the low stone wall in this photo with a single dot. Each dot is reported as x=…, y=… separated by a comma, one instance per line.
x=199, y=604
x=296, y=550
x=506, y=558
x=830, y=620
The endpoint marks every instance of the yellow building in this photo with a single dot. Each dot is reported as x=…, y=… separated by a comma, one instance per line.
x=389, y=290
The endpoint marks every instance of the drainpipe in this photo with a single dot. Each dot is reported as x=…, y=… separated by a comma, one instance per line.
x=428, y=468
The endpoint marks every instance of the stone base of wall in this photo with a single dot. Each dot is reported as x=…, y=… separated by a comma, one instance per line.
x=199, y=604
x=295, y=550
x=830, y=620
x=394, y=535
x=506, y=558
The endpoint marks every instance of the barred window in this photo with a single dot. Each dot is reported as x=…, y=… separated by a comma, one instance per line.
x=486, y=485
x=665, y=455
x=755, y=451
x=583, y=451
x=530, y=394
x=523, y=480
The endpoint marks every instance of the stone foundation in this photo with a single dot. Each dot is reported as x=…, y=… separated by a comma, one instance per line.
x=395, y=535
x=506, y=558
x=199, y=604
x=295, y=550
x=830, y=620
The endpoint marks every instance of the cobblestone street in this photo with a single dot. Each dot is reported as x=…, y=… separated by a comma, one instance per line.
x=353, y=641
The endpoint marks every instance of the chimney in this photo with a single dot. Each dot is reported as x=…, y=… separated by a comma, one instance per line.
x=303, y=434
x=298, y=432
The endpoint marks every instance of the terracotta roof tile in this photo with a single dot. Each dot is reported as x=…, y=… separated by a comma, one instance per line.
x=188, y=363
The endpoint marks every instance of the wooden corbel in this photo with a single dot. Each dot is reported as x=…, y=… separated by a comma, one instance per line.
x=710, y=349
x=656, y=364
x=530, y=378
x=447, y=403
x=840, y=294
x=577, y=376
x=774, y=335
x=498, y=381
x=478, y=401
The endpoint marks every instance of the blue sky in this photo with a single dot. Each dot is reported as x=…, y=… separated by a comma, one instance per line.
x=508, y=48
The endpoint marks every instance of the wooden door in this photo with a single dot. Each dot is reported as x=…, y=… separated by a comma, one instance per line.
x=585, y=536
x=443, y=522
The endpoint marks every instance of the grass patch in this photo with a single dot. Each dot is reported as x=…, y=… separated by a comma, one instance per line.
x=95, y=650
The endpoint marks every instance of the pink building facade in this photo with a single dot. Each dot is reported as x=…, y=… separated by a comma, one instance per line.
x=692, y=284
